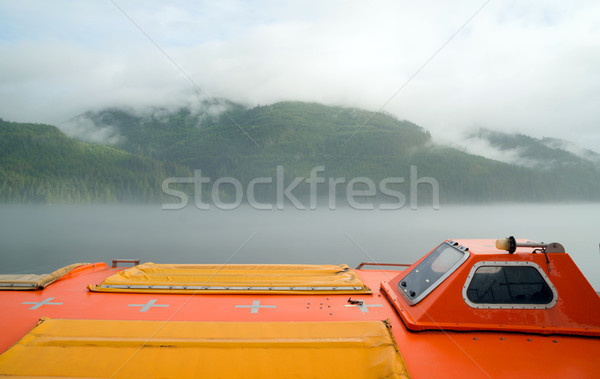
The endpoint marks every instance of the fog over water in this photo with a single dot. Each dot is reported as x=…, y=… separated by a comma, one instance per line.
x=39, y=239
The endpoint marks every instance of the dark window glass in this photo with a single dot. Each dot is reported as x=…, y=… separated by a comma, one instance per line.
x=508, y=285
x=426, y=276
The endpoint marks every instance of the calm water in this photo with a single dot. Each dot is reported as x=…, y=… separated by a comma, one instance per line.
x=38, y=239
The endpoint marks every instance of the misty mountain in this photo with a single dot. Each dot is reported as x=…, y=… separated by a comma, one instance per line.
x=246, y=143
x=39, y=163
x=251, y=142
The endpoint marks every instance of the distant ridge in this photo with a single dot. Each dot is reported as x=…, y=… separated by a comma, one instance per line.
x=520, y=149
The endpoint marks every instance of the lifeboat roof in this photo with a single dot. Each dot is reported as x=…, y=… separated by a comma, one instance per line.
x=318, y=321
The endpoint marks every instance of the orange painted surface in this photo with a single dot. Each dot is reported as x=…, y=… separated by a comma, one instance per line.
x=477, y=353
x=577, y=310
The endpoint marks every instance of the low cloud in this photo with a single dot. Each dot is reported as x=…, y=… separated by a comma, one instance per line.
x=83, y=128
x=90, y=126
x=572, y=148
x=515, y=156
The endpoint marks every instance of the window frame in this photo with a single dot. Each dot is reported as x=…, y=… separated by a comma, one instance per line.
x=508, y=305
x=462, y=249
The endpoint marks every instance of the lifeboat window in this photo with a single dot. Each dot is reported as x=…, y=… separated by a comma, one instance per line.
x=432, y=271
x=508, y=285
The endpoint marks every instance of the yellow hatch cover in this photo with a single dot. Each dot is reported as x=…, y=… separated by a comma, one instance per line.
x=32, y=281
x=186, y=278
x=182, y=349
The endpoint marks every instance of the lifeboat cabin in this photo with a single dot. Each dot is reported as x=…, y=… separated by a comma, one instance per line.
x=469, y=308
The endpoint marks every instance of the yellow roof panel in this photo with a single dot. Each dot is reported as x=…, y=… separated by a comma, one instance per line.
x=142, y=349
x=20, y=282
x=185, y=278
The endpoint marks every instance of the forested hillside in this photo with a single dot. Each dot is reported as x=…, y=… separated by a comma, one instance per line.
x=348, y=142
x=38, y=163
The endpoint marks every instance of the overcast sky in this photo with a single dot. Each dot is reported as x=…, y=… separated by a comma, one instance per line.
x=528, y=66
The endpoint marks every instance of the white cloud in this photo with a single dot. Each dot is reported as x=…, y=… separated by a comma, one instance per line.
x=516, y=156
x=528, y=67
x=85, y=129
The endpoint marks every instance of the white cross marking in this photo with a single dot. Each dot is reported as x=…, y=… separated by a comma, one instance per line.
x=40, y=303
x=363, y=307
x=148, y=305
x=255, y=306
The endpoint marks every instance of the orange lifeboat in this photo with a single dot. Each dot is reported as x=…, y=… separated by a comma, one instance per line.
x=468, y=308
